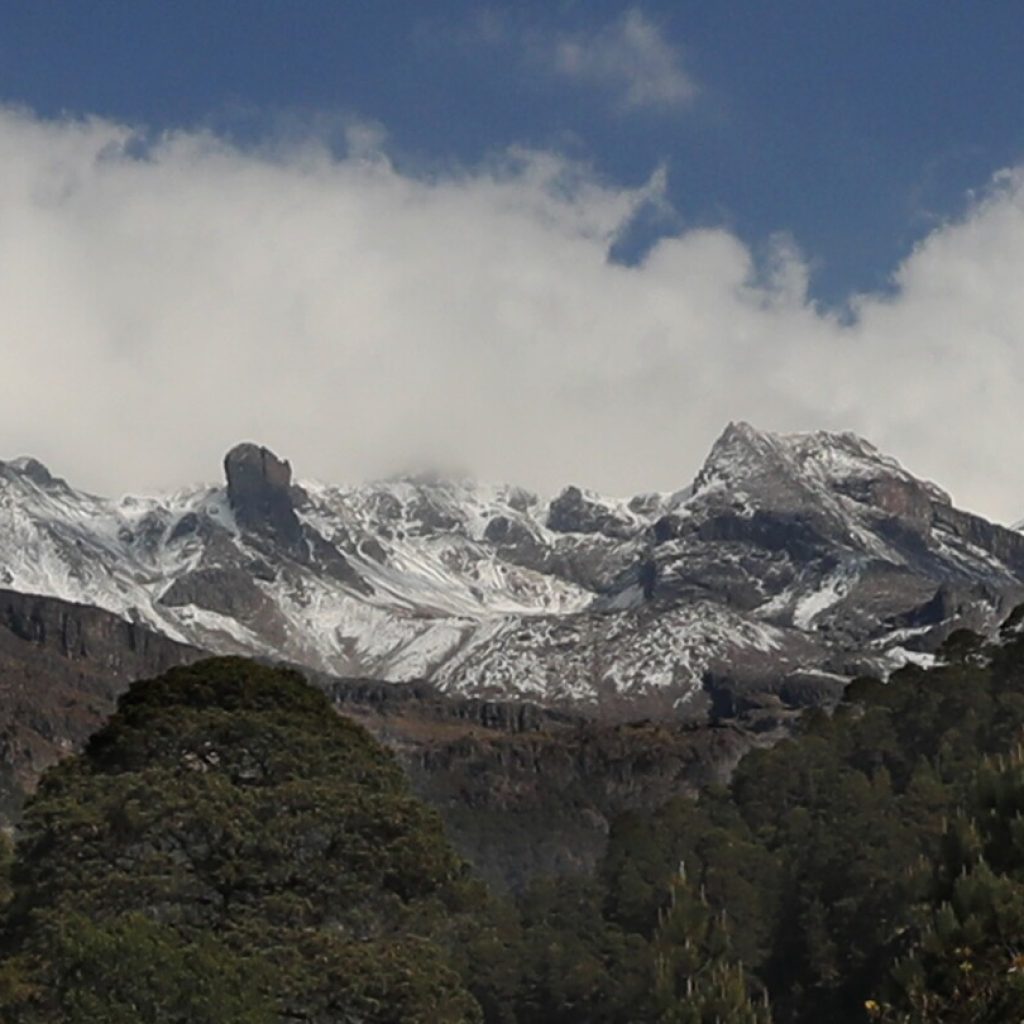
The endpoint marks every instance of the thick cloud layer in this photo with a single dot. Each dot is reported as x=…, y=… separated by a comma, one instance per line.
x=161, y=300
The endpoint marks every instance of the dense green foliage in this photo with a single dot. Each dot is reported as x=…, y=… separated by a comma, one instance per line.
x=872, y=867
x=229, y=849
x=6, y=857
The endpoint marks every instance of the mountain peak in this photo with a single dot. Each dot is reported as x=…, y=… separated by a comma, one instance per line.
x=743, y=455
x=259, y=491
x=797, y=552
x=740, y=434
x=34, y=470
x=741, y=452
x=248, y=463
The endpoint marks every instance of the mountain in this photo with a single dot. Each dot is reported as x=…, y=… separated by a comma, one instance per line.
x=523, y=790
x=790, y=564
x=62, y=667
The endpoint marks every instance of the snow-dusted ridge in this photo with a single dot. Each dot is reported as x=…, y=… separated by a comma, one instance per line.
x=789, y=554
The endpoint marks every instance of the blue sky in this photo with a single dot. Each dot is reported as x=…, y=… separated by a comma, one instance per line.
x=853, y=126
x=550, y=242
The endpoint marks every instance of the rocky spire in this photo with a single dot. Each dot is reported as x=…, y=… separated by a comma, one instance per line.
x=259, y=492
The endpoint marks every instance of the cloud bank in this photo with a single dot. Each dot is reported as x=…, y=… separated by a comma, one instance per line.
x=163, y=299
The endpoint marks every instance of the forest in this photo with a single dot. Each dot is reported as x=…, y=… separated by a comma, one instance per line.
x=229, y=849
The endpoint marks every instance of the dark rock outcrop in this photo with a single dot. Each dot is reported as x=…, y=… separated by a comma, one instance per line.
x=573, y=512
x=516, y=541
x=259, y=490
x=229, y=591
x=263, y=500
x=526, y=790
x=36, y=472
x=1006, y=545
x=62, y=667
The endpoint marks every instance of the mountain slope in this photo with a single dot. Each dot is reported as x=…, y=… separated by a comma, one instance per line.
x=62, y=667
x=523, y=790
x=790, y=564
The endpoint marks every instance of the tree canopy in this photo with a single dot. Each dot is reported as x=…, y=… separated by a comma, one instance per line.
x=230, y=849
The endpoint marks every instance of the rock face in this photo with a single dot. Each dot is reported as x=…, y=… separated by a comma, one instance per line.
x=788, y=559
x=523, y=789
x=37, y=472
x=526, y=790
x=823, y=533
x=572, y=512
x=541, y=803
x=62, y=667
x=258, y=487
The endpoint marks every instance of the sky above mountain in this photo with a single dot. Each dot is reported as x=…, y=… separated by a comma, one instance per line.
x=548, y=242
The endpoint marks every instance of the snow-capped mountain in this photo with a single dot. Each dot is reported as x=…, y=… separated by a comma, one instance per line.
x=792, y=561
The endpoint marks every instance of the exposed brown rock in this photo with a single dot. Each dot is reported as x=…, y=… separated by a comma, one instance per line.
x=526, y=790
x=903, y=499
x=1007, y=545
x=62, y=667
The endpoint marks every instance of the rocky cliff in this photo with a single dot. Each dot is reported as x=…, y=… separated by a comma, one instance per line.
x=527, y=790
x=522, y=789
x=62, y=667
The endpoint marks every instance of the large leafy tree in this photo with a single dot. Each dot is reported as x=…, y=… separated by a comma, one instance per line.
x=230, y=849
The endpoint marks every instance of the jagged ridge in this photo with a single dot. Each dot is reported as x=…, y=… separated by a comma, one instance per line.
x=790, y=564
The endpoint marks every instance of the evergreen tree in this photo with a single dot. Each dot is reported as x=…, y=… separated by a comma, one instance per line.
x=227, y=823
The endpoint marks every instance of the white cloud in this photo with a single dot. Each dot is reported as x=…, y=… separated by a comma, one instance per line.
x=632, y=57
x=159, y=302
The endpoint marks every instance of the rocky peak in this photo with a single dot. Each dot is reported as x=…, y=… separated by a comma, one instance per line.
x=741, y=451
x=792, y=549
x=778, y=468
x=259, y=493
x=35, y=471
x=747, y=464
x=847, y=463
x=251, y=467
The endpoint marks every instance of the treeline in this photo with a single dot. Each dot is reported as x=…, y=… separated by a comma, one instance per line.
x=230, y=850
